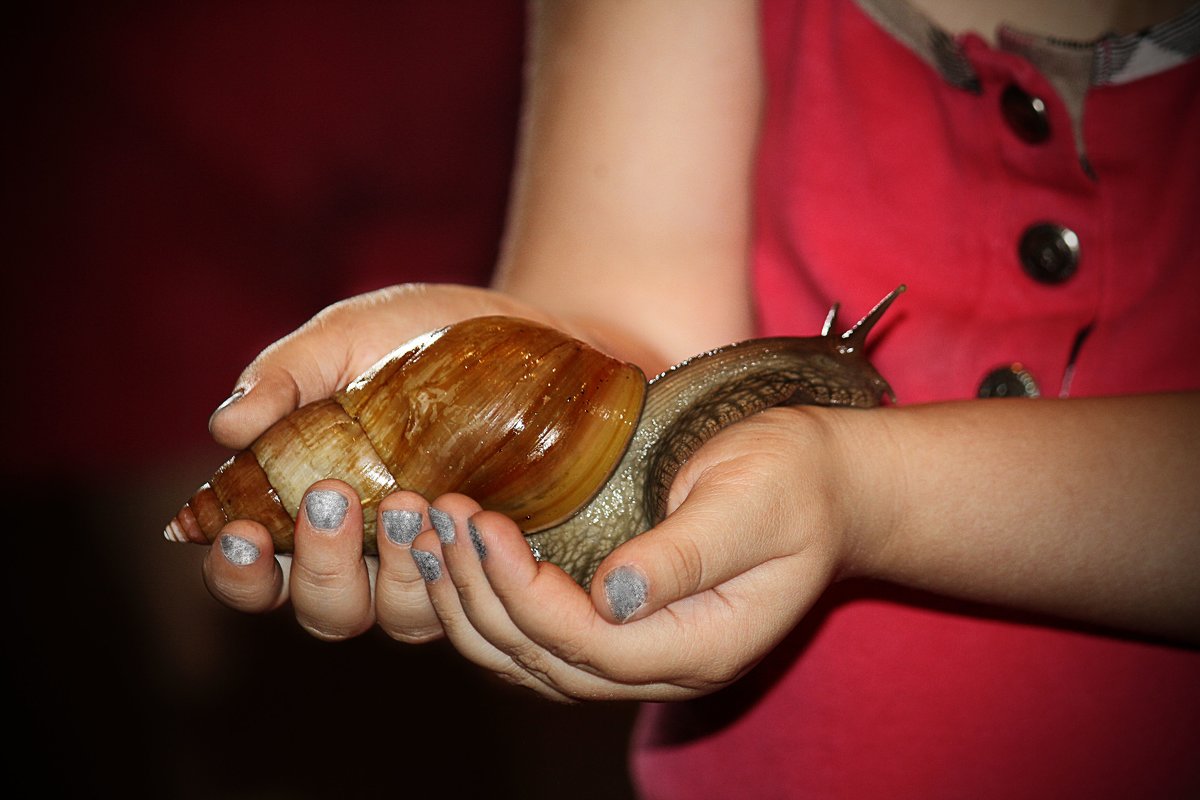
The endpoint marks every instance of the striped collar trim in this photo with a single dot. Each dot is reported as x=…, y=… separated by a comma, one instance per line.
x=1111, y=59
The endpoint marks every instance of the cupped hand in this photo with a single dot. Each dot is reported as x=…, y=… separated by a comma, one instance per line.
x=336, y=591
x=760, y=523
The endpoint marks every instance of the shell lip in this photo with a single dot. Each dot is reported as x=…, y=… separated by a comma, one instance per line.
x=634, y=428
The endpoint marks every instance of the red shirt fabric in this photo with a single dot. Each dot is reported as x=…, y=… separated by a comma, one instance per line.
x=875, y=170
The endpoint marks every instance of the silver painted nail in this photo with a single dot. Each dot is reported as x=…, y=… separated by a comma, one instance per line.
x=238, y=551
x=477, y=540
x=402, y=526
x=428, y=564
x=238, y=394
x=326, y=509
x=625, y=589
x=226, y=403
x=443, y=523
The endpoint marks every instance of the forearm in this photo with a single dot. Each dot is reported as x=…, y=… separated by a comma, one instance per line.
x=630, y=211
x=1086, y=509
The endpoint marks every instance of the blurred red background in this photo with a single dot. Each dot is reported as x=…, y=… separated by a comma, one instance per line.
x=183, y=184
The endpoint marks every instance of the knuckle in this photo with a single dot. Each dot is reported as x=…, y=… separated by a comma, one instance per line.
x=572, y=651
x=319, y=577
x=402, y=586
x=242, y=598
x=532, y=659
x=422, y=635
x=246, y=596
x=686, y=565
x=536, y=685
x=327, y=631
x=471, y=594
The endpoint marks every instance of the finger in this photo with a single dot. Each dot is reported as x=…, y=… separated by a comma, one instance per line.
x=304, y=366
x=551, y=611
x=330, y=586
x=486, y=636
x=431, y=551
x=240, y=571
x=720, y=531
x=331, y=349
x=402, y=604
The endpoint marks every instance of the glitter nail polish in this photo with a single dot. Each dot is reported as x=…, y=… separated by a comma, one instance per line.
x=326, y=509
x=477, y=540
x=443, y=523
x=428, y=564
x=625, y=589
x=238, y=551
x=401, y=526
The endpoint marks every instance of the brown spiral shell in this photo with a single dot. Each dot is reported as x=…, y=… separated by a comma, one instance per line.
x=494, y=407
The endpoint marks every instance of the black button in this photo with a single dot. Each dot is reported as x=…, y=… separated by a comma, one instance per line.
x=1049, y=253
x=1011, y=381
x=1025, y=114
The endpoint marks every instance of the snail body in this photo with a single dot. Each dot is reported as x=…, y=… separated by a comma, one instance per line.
x=575, y=446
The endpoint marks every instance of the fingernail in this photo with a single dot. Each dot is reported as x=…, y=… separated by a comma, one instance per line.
x=428, y=564
x=238, y=394
x=625, y=589
x=401, y=526
x=226, y=403
x=326, y=509
x=238, y=551
x=477, y=540
x=443, y=523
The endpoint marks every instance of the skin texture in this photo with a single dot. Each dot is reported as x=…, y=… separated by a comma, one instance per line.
x=637, y=237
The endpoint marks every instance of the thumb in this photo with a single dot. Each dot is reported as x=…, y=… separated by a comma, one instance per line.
x=336, y=345
x=716, y=534
x=304, y=366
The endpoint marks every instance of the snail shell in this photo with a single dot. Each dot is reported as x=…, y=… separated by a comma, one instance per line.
x=573, y=445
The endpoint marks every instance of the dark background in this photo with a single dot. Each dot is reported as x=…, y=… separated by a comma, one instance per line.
x=183, y=184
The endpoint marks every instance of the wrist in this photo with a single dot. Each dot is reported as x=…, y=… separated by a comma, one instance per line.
x=867, y=480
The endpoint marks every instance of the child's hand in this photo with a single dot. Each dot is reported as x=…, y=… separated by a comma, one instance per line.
x=758, y=530
x=330, y=583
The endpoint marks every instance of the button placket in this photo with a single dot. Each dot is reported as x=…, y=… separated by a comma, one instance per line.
x=1047, y=251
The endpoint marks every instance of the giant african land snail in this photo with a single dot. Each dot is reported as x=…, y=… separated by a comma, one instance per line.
x=573, y=445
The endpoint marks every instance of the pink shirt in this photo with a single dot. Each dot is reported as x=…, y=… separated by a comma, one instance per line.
x=893, y=154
